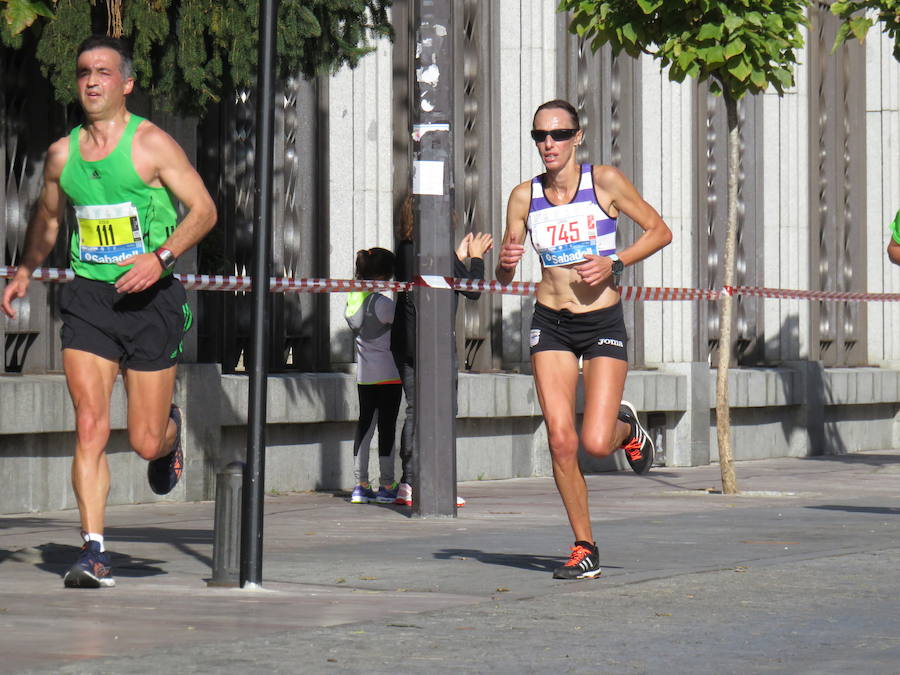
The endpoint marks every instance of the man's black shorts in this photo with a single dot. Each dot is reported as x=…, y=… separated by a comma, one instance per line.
x=588, y=335
x=142, y=331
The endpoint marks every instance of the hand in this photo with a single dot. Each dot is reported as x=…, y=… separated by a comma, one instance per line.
x=595, y=270
x=462, y=248
x=510, y=254
x=145, y=272
x=481, y=243
x=15, y=289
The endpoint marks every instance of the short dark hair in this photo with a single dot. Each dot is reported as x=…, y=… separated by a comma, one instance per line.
x=559, y=104
x=374, y=263
x=105, y=41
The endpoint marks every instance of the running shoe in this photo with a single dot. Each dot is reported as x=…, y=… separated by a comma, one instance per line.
x=404, y=494
x=637, y=446
x=164, y=472
x=91, y=570
x=362, y=495
x=387, y=495
x=583, y=563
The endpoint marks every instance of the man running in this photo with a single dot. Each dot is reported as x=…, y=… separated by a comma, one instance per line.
x=124, y=310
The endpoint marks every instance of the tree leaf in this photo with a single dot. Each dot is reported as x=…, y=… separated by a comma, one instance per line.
x=839, y=8
x=859, y=26
x=785, y=77
x=753, y=18
x=629, y=34
x=649, y=6
x=684, y=60
x=733, y=22
x=710, y=31
x=843, y=32
x=734, y=48
x=20, y=14
x=740, y=70
x=758, y=78
x=712, y=56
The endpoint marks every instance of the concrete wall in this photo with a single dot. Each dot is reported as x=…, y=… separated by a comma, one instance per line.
x=797, y=410
x=883, y=195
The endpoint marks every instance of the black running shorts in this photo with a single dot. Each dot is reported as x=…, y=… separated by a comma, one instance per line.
x=588, y=335
x=142, y=331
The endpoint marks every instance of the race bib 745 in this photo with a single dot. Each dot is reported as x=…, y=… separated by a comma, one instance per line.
x=563, y=235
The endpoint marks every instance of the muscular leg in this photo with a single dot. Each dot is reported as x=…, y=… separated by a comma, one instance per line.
x=556, y=379
x=150, y=431
x=604, y=383
x=90, y=379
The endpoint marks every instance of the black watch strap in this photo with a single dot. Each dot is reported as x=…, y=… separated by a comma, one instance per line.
x=617, y=266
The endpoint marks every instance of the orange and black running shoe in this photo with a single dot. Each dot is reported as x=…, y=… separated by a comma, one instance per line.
x=164, y=472
x=583, y=563
x=637, y=446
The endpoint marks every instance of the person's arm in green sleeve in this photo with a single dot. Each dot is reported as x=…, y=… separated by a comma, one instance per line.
x=893, y=249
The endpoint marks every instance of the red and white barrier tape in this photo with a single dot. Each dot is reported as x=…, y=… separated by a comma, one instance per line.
x=218, y=282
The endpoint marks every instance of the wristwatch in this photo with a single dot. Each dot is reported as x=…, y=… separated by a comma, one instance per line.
x=617, y=266
x=166, y=258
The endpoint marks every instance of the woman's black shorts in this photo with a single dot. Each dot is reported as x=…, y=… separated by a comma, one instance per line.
x=588, y=335
x=142, y=331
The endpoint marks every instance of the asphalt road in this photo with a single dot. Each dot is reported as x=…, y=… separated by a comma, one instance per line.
x=798, y=574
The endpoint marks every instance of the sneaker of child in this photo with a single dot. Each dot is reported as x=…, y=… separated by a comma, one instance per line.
x=387, y=494
x=404, y=496
x=362, y=494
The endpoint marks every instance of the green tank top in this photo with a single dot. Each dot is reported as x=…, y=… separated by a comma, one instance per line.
x=117, y=214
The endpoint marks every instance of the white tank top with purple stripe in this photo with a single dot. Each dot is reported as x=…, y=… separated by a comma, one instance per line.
x=563, y=234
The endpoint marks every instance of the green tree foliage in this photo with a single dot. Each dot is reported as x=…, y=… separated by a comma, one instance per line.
x=187, y=53
x=740, y=47
x=19, y=15
x=858, y=16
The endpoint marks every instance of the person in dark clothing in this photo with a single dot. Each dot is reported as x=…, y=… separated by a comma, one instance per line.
x=403, y=333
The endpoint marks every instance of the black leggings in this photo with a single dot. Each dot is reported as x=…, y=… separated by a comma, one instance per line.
x=383, y=399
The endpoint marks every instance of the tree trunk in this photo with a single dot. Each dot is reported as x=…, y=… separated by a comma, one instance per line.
x=726, y=303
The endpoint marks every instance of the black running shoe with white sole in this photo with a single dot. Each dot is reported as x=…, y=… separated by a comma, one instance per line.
x=91, y=570
x=583, y=563
x=638, y=446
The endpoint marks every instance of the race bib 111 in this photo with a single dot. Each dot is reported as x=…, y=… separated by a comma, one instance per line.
x=108, y=233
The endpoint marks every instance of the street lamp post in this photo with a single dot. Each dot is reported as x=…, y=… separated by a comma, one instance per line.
x=254, y=472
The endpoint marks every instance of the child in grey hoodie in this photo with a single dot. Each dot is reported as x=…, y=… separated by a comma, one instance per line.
x=370, y=316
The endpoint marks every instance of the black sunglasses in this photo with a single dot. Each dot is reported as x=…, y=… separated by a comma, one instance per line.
x=556, y=134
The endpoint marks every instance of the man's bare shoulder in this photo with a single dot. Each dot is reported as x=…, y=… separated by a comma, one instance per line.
x=153, y=139
x=57, y=156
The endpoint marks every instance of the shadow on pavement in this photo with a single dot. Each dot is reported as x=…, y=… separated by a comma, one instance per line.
x=880, y=510
x=183, y=540
x=869, y=458
x=57, y=558
x=29, y=522
x=537, y=563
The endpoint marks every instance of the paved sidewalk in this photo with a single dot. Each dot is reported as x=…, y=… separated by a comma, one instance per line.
x=796, y=575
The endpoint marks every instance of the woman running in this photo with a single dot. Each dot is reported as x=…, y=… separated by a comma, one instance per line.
x=571, y=211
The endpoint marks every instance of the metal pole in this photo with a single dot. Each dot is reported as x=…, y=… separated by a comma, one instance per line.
x=435, y=491
x=254, y=475
x=227, y=526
